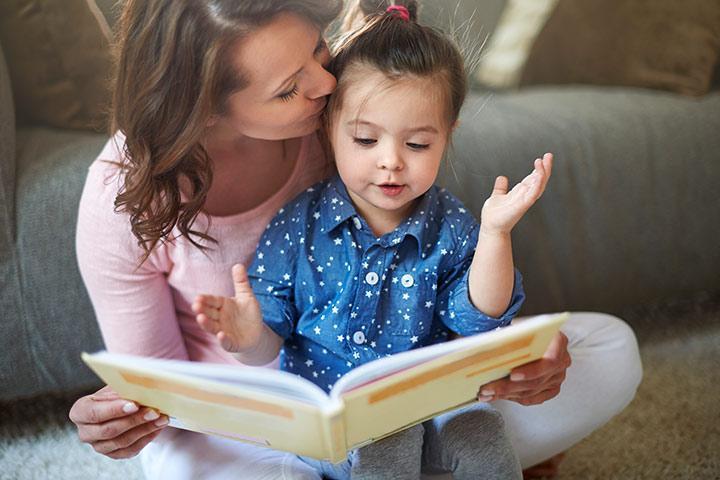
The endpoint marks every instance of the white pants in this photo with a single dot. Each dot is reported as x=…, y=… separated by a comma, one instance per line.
x=605, y=373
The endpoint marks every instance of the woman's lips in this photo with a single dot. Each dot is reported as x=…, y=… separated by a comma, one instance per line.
x=391, y=190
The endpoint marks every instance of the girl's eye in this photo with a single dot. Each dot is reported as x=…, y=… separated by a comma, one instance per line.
x=418, y=146
x=364, y=141
x=287, y=96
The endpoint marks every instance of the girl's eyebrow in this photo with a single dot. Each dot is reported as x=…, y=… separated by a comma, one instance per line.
x=283, y=85
x=425, y=128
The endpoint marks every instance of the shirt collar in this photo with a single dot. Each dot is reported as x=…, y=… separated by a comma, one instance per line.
x=423, y=224
x=335, y=204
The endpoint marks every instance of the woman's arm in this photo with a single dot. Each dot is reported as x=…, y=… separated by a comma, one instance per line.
x=135, y=311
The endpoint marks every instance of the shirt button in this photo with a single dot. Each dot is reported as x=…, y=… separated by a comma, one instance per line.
x=407, y=280
x=371, y=278
x=359, y=337
x=357, y=223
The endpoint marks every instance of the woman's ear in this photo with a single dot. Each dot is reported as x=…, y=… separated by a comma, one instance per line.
x=212, y=121
x=454, y=126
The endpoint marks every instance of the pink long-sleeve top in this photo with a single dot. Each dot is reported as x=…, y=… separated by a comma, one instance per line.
x=146, y=310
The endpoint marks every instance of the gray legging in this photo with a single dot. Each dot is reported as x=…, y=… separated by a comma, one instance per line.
x=470, y=442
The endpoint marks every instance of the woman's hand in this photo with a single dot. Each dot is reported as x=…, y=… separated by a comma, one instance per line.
x=115, y=427
x=504, y=209
x=536, y=382
x=236, y=322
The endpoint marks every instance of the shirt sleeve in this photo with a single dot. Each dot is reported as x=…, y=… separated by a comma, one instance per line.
x=273, y=272
x=133, y=305
x=454, y=307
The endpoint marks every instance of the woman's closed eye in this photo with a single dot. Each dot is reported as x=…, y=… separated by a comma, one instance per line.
x=287, y=96
x=320, y=48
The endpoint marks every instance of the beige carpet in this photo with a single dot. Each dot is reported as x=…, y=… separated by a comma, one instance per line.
x=670, y=431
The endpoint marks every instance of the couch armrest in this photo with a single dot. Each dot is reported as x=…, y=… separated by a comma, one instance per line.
x=630, y=213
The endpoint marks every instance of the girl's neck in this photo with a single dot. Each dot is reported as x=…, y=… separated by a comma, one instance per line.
x=247, y=172
x=381, y=221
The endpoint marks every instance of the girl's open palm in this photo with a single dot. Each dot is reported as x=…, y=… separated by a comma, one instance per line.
x=236, y=322
x=504, y=209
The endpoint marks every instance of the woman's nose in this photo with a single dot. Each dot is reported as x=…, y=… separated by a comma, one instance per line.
x=323, y=83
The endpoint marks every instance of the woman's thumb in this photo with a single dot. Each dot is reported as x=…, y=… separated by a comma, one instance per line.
x=240, y=280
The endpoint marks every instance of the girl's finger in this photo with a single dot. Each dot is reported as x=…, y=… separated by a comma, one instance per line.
x=208, y=301
x=207, y=324
x=501, y=186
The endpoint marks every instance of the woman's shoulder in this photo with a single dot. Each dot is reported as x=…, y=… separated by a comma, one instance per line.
x=98, y=219
x=105, y=175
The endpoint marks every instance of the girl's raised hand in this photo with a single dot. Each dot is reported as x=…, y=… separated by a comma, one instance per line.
x=504, y=209
x=236, y=322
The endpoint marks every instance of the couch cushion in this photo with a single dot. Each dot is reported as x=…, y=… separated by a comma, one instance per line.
x=7, y=145
x=505, y=54
x=630, y=213
x=59, y=61
x=663, y=44
x=58, y=321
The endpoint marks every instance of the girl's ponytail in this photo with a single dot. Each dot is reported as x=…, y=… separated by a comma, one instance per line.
x=359, y=12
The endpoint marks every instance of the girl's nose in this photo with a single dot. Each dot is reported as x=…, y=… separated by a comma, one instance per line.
x=390, y=160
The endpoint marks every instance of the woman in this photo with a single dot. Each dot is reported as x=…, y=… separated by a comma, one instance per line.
x=217, y=102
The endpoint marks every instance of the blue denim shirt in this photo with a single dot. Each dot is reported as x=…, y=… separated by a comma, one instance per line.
x=340, y=297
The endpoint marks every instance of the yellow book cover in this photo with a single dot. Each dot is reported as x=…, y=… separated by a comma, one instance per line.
x=286, y=412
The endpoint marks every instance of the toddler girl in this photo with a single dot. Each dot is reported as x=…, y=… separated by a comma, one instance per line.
x=378, y=260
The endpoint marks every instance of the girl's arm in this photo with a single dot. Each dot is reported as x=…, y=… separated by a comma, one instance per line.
x=492, y=271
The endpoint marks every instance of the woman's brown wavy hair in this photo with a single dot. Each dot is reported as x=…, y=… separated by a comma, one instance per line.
x=172, y=74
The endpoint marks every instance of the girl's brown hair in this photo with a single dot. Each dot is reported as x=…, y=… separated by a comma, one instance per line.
x=386, y=42
x=172, y=75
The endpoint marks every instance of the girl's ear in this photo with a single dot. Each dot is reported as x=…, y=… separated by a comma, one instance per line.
x=454, y=125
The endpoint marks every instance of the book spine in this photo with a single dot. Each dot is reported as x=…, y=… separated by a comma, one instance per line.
x=334, y=432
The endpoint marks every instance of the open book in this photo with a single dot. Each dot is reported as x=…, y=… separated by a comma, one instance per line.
x=286, y=412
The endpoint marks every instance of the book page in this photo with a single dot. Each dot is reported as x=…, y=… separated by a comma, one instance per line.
x=262, y=406
x=397, y=363
x=428, y=381
x=265, y=380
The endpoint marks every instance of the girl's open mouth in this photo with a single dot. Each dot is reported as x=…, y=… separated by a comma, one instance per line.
x=391, y=190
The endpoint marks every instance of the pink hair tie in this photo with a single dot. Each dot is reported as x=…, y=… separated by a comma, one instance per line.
x=400, y=10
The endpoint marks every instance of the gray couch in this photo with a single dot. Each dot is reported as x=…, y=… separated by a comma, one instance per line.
x=631, y=213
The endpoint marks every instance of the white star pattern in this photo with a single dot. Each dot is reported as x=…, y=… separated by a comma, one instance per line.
x=402, y=308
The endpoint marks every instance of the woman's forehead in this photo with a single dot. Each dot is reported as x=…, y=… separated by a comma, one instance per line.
x=273, y=52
